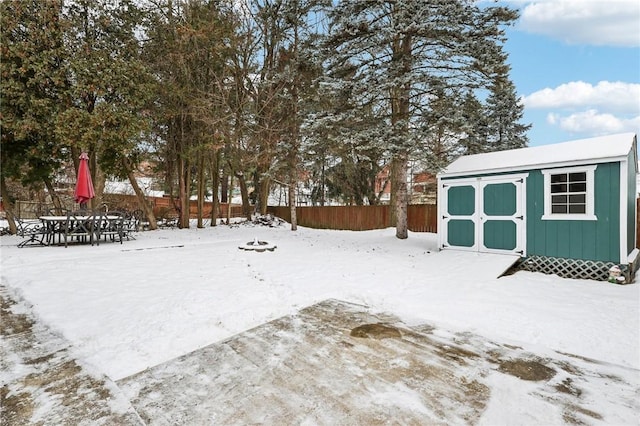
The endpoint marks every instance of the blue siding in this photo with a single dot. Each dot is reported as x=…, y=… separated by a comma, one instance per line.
x=592, y=240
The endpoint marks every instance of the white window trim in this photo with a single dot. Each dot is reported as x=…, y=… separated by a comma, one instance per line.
x=590, y=207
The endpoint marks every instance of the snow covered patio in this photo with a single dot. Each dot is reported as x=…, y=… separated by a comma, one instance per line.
x=336, y=363
x=185, y=314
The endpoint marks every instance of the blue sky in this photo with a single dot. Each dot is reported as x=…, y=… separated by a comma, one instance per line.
x=576, y=65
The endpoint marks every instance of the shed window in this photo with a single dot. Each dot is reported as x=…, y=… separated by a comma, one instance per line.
x=569, y=194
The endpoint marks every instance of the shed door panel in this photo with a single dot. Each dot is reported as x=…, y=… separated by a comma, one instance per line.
x=461, y=200
x=461, y=232
x=500, y=219
x=500, y=235
x=500, y=199
x=461, y=218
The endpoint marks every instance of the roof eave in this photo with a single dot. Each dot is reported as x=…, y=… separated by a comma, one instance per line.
x=534, y=166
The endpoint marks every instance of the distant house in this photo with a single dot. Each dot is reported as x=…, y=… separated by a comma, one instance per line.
x=145, y=177
x=567, y=208
x=421, y=186
x=383, y=184
x=146, y=184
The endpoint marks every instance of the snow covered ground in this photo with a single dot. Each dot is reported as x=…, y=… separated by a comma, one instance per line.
x=129, y=307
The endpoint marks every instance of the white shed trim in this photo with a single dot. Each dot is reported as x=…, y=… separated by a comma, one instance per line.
x=590, y=195
x=624, y=187
x=602, y=149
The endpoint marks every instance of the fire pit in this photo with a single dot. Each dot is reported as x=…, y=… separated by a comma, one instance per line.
x=257, y=245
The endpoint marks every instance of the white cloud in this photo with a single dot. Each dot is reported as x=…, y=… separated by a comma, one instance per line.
x=610, y=96
x=579, y=107
x=598, y=22
x=594, y=123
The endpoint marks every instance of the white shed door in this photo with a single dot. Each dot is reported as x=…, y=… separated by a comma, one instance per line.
x=484, y=214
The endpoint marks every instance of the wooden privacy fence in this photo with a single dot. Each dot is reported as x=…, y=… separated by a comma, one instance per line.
x=162, y=206
x=420, y=217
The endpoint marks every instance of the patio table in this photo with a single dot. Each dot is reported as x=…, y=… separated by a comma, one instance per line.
x=56, y=226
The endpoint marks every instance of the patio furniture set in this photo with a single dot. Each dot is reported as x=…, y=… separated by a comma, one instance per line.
x=77, y=227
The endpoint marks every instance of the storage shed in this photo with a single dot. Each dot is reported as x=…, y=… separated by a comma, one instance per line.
x=567, y=208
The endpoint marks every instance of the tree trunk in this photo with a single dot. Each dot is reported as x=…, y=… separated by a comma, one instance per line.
x=142, y=201
x=261, y=183
x=98, y=179
x=402, y=54
x=201, y=186
x=393, y=195
x=399, y=170
x=57, y=204
x=244, y=193
x=7, y=204
x=293, y=154
x=292, y=205
x=185, y=180
x=229, y=198
x=215, y=186
x=263, y=195
x=224, y=188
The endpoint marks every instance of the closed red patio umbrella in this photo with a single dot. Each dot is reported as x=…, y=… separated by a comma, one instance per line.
x=84, y=186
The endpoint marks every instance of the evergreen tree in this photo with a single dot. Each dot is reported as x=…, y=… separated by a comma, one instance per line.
x=32, y=86
x=442, y=124
x=273, y=74
x=504, y=114
x=108, y=87
x=344, y=163
x=188, y=50
x=393, y=50
x=474, y=126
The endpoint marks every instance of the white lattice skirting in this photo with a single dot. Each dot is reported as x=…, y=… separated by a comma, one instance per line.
x=571, y=268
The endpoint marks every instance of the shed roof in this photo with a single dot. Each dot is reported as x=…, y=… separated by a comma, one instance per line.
x=593, y=150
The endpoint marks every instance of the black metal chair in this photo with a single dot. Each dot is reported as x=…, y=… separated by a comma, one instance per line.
x=33, y=232
x=56, y=229
x=141, y=220
x=109, y=225
x=130, y=225
x=80, y=225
